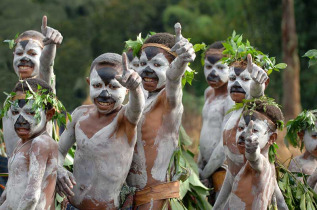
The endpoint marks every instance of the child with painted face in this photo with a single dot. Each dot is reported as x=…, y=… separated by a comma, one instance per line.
x=163, y=61
x=307, y=162
x=33, y=165
x=33, y=57
x=105, y=134
x=254, y=185
x=217, y=103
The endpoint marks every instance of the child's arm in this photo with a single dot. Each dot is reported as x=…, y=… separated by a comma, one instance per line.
x=65, y=179
x=252, y=149
x=185, y=54
x=131, y=80
x=224, y=192
x=52, y=38
x=39, y=153
x=259, y=77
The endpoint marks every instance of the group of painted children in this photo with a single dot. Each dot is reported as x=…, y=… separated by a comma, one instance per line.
x=133, y=144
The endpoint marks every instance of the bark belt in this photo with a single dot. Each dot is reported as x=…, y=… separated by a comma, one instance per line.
x=157, y=192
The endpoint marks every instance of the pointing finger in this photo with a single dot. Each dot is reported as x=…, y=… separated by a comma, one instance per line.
x=44, y=25
x=250, y=127
x=124, y=63
x=178, y=32
x=249, y=66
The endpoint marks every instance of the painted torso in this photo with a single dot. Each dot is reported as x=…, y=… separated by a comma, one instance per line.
x=18, y=167
x=252, y=190
x=101, y=162
x=301, y=164
x=234, y=157
x=157, y=139
x=213, y=114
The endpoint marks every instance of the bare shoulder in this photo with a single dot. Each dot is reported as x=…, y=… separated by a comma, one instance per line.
x=208, y=92
x=81, y=110
x=44, y=144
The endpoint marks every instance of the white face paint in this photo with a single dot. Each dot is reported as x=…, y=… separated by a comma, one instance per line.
x=135, y=64
x=310, y=141
x=32, y=125
x=159, y=64
x=220, y=72
x=114, y=90
x=243, y=80
x=260, y=130
x=26, y=59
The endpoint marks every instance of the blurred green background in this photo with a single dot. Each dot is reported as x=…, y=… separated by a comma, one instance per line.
x=92, y=27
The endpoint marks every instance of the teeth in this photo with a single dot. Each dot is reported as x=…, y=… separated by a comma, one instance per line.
x=24, y=67
x=104, y=103
x=148, y=79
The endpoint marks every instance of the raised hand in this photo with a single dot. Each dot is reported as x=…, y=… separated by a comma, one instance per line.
x=251, y=141
x=183, y=48
x=129, y=78
x=52, y=36
x=257, y=73
x=65, y=182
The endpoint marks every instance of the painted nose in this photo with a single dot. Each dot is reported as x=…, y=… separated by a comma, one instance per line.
x=148, y=70
x=236, y=84
x=21, y=120
x=213, y=73
x=25, y=59
x=241, y=139
x=105, y=94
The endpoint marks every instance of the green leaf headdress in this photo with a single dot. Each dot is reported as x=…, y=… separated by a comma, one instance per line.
x=11, y=42
x=136, y=45
x=304, y=121
x=42, y=98
x=237, y=50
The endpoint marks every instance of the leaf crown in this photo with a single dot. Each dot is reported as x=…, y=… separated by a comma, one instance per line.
x=136, y=45
x=237, y=50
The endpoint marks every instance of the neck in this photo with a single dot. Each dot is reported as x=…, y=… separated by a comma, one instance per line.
x=222, y=90
x=155, y=92
x=307, y=155
x=115, y=111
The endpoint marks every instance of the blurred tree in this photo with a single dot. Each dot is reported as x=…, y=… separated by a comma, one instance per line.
x=291, y=86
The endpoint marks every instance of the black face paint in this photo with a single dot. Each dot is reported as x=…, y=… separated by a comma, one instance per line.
x=241, y=139
x=151, y=52
x=22, y=123
x=105, y=97
x=130, y=55
x=248, y=118
x=213, y=59
x=26, y=62
x=21, y=102
x=107, y=74
x=213, y=77
x=236, y=88
x=238, y=70
x=24, y=43
x=149, y=73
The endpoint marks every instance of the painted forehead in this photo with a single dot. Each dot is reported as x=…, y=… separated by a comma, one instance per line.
x=106, y=73
x=254, y=116
x=212, y=58
x=30, y=43
x=151, y=52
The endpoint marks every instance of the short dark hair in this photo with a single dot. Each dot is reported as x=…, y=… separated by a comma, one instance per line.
x=112, y=59
x=166, y=39
x=216, y=45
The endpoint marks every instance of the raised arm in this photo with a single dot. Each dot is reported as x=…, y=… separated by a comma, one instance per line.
x=259, y=77
x=252, y=149
x=38, y=158
x=52, y=38
x=131, y=80
x=65, y=179
x=185, y=54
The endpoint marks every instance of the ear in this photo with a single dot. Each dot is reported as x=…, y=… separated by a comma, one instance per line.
x=49, y=114
x=273, y=138
x=88, y=80
x=301, y=135
x=267, y=82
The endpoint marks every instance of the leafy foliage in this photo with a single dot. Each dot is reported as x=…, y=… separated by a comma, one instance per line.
x=136, y=45
x=312, y=55
x=303, y=122
x=11, y=42
x=237, y=50
x=297, y=194
x=184, y=168
x=41, y=99
x=201, y=47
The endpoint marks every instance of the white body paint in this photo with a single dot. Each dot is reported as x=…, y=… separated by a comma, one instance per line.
x=30, y=175
x=103, y=160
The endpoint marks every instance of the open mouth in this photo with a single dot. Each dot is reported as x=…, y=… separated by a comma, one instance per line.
x=104, y=103
x=22, y=131
x=148, y=79
x=25, y=67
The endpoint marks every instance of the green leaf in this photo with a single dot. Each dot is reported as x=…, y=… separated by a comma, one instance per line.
x=281, y=66
x=302, y=202
x=311, y=54
x=175, y=205
x=183, y=188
